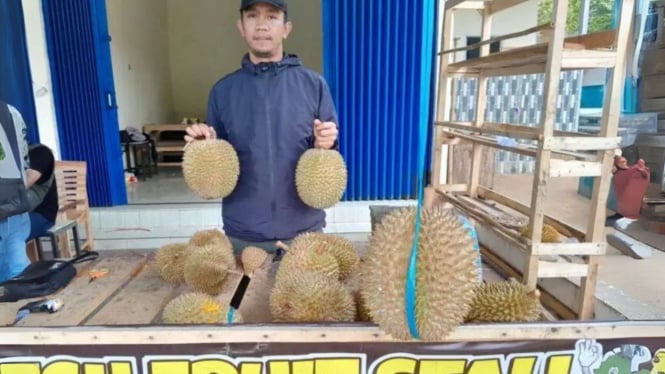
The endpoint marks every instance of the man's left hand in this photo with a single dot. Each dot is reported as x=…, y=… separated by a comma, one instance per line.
x=325, y=134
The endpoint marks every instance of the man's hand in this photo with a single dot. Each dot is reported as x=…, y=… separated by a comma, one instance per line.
x=199, y=131
x=325, y=134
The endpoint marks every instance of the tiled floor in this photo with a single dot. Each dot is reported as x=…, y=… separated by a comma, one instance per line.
x=166, y=187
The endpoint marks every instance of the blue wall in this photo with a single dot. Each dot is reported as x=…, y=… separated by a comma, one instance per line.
x=15, y=76
x=374, y=64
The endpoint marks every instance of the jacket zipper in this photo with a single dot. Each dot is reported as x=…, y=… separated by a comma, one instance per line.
x=271, y=158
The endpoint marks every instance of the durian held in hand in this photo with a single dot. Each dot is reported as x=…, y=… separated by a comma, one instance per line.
x=446, y=275
x=321, y=174
x=210, y=166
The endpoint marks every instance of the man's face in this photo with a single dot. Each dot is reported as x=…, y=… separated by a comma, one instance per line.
x=264, y=28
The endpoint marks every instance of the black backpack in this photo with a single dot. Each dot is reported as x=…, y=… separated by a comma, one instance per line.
x=42, y=278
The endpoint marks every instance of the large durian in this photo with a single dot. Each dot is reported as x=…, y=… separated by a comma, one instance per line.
x=321, y=177
x=446, y=273
x=196, y=308
x=310, y=296
x=509, y=301
x=206, y=269
x=211, y=168
x=339, y=247
x=214, y=237
x=170, y=262
x=312, y=256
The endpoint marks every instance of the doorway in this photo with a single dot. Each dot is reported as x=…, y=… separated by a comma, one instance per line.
x=167, y=54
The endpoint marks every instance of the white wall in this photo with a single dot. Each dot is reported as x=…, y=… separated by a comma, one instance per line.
x=467, y=22
x=140, y=56
x=205, y=45
x=41, y=74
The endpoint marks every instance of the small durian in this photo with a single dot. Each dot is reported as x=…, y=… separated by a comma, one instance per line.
x=211, y=168
x=446, y=273
x=206, y=270
x=315, y=257
x=214, y=237
x=341, y=248
x=170, y=262
x=252, y=258
x=321, y=177
x=509, y=301
x=310, y=296
x=196, y=308
x=549, y=233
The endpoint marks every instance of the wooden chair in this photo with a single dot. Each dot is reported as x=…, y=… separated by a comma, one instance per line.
x=71, y=181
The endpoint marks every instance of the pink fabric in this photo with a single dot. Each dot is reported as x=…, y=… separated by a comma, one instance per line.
x=630, y=186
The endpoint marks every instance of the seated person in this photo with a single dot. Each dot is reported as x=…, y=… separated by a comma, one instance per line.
x=42, y=167
x=630, y=186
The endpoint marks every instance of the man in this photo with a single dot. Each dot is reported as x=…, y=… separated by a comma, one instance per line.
x=14, y=205
x=271, y=110
x=41, y=178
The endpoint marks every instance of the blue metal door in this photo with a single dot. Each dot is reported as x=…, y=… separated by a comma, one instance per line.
x=80, y=58
x=378, y=60
x=15, y=76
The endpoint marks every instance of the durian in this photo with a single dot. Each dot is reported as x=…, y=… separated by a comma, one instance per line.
x=252, y=258
x=217, y=238
x=310, y=296
x=315, y=257
x=549, y=233
x=206, y=270
x=509, y=301
x=196, y=308
x=339, y=247
x=352, y=285
x=321, y=177
x=446, y=274
x=170, y=262
x=211, y=168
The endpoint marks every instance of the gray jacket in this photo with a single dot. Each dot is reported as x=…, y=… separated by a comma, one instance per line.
x=267, y=112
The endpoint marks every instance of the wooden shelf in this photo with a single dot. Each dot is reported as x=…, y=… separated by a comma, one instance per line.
x=556, y=153
x=580, y=52
x=167, y=146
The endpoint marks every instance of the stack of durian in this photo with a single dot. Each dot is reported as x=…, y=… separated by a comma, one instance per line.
x=314, y=281
x=322, y=278
x=204, y=265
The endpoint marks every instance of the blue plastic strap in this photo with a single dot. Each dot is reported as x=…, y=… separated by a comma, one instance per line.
x=229, y=315
x=428, y=30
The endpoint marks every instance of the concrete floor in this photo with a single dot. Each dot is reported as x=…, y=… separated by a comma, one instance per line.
x=645, y=284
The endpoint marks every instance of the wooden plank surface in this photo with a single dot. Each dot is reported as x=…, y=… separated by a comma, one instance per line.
x=81, y=297
x=139, y=302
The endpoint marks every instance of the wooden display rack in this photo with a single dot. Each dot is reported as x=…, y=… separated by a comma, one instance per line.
x=557, y=153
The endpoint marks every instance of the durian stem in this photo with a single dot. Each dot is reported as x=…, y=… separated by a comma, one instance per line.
x=281, y=245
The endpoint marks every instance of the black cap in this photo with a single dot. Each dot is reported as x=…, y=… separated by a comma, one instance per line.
x=281, y=4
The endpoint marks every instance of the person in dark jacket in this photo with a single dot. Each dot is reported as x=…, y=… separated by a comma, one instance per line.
x=41, y=172
x=272, y=109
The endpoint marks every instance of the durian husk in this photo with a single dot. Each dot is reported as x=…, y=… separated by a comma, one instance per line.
x=508, y=301
x=445, y=280
x=321, y=177
x=352, y=284
x=196, y=308
x=341, y=248
x=211, y=168
x=170, y=262
x=549, y=233
x=214, y=237
x=206, y=270
x=314, y=257
x=252, y=258
x=310, y=296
